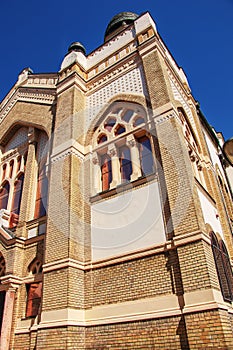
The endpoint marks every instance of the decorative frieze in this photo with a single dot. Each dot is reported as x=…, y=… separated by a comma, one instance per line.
x=23, y=96
x=62, y=155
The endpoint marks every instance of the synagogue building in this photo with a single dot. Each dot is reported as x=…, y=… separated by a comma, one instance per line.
x=116, y=212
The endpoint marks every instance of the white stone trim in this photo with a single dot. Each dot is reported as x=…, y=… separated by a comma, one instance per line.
x=69, y=147
x=137, y=310
x=64, y=263
x=153, y=250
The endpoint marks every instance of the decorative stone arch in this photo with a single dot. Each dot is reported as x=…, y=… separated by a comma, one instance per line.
x=137, y=99
x=6, y=135
x=220, y=175
x=35, y=267
x=22, y=141
x=181, y=109
x=120, y=123
x=209, y=230
x=122, y=146
x=34, y=288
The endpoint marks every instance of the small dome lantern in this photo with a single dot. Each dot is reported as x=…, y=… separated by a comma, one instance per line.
x=118, y=22
x=77, y=47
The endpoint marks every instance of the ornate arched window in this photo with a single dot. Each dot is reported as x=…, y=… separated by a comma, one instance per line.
x=223, y=267
x=228, y=292
x=41, y=194
x=34, y=289
x=17, y=194
x=122, y=146
x=193, y=147
x=13, y=169
x=16, y=201
x=13, y=175
x=4, y=195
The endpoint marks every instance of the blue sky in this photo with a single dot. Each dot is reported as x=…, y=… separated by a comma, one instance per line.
x=198, y=33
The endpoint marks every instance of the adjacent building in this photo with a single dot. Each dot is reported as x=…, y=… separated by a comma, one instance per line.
x=115, y=204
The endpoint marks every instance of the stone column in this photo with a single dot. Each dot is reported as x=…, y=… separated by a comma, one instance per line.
x=96, y=174
x=7, y=318
x=116, y=175
x=135, y=158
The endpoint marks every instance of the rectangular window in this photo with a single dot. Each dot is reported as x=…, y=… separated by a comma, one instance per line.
x=33, y=299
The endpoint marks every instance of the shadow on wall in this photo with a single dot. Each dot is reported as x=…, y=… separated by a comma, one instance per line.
x=173, y=266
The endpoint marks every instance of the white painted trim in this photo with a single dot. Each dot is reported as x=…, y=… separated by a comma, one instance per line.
x=137, y=310
x=159, y=248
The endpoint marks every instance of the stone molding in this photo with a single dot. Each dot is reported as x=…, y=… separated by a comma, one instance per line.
x=138, y=310
x=21, y=96
x=68, y=148
x=178, y=241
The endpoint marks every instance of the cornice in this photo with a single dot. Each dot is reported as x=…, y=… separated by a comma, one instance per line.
x=113, y=73
x=65, y=154
x=178, y=241
x=31, y=95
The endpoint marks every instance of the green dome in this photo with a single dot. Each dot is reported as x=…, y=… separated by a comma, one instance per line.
x=123, y=18
x=77, y=46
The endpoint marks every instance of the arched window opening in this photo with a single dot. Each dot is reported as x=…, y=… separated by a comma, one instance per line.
x=18, y=164
x=138, y=121
x=119, y=129
x=187, y=132
x=35, y=267
x=125, y=163
x=11, y=169
x=3, y=172
x=228, y=272
x=181, y=116
x=223, y=267
x=25, y=157
x=34, y=289
x=145, y=153
x=4, y=195
x=17, y=195
x=106, y=172
x=102, y=139
x=110, y=124
x=41, y=194
x=2, y=266
x=127, y=115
